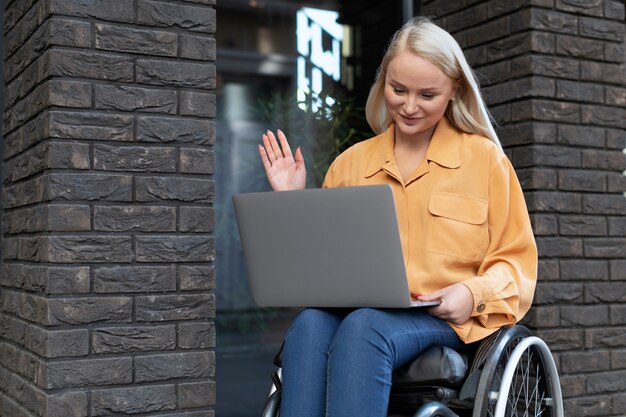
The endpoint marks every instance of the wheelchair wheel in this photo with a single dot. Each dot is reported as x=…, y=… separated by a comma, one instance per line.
x=521, y=379
x=272, y=405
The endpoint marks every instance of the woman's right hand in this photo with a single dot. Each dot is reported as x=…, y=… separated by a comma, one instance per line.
x=284, y=172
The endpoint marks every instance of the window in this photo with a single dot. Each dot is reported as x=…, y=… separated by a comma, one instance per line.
x=258, y=67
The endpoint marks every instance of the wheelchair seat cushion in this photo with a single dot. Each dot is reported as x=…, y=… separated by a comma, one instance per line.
x=436, y=366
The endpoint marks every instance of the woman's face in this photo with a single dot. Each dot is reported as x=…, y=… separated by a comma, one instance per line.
x=416, y=95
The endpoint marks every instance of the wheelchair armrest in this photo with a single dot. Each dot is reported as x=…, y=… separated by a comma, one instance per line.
x=436, y=366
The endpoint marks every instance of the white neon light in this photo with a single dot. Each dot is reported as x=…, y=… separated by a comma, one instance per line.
x=326, y=19
x=312, y=24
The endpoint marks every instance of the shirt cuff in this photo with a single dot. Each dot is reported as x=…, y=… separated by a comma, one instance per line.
x=479, y=306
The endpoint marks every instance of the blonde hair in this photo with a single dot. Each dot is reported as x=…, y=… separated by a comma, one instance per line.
x=467, y=112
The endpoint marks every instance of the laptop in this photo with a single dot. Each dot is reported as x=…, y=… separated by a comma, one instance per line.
x=327, y=247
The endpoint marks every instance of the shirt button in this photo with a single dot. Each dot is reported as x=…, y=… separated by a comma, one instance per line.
x=481, y=307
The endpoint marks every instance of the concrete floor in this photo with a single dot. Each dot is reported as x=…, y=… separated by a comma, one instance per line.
x=245, y=362
x=243, y=383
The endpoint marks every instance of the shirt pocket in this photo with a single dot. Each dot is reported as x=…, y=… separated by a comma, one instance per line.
x=458, y=226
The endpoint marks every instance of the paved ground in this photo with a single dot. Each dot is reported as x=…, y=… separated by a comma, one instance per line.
x=245, y=364
x=243, y=383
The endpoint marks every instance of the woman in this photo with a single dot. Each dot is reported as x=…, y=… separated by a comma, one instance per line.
x=464, y=227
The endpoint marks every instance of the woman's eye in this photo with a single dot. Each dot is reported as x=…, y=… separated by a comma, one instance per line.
x=398, y=90
x=428, y=96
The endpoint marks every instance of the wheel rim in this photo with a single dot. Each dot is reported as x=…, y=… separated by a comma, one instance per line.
x=529, y=395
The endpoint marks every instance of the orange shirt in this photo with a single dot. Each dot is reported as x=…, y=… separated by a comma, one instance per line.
x=462, y=219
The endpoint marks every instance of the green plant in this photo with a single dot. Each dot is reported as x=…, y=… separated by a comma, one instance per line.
x=322, y=134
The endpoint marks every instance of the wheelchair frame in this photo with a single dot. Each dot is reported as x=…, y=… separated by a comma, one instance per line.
x=512, y=374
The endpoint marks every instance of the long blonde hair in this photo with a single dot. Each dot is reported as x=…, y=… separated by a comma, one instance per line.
x=467, y=112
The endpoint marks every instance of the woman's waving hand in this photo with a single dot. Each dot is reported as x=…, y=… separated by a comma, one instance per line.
x=284, y=171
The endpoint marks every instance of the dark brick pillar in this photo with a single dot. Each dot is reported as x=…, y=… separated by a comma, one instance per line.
x=555, y=82
x=373, y=23
x=107, y=245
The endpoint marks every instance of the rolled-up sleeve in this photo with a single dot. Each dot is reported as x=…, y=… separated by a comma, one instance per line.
x=505, y=283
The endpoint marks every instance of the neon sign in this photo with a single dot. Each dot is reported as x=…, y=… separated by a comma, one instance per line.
x=315, y=63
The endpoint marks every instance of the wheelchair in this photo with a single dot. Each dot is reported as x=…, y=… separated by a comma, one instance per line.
x=511, y=373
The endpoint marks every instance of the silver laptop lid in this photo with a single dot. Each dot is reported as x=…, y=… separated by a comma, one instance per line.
x=337, y=247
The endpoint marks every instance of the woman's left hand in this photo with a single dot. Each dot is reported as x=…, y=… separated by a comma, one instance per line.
x=456, y=305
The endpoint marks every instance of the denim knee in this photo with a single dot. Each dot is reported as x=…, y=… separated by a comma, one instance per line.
x=313, y=324
x=361, y=328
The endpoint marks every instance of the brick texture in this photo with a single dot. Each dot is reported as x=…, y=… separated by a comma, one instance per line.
x=553, y=75
x=106, y=277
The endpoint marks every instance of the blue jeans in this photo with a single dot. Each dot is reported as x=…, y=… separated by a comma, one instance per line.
x=339, y=362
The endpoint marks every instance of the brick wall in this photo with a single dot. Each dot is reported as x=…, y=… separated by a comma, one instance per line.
x=554, y=77
x=107, y=244
x=373, y=23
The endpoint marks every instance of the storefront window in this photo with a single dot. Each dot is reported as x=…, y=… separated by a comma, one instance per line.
x=271, y=57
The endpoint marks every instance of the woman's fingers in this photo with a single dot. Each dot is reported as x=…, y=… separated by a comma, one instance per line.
x=429, y=297
x=273, y=150
x=274, y=145
x=456, y=303
x=267, y=147
x=286, y=149
x=264, y=159
x=299, y=158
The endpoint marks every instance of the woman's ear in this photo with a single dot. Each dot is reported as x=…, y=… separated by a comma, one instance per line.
x=455, y=88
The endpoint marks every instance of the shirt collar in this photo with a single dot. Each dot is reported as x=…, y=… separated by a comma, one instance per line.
x=383, y=154
x=444, y=148
x=445, y=145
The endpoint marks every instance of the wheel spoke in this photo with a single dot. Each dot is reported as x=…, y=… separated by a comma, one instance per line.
x=519, y=386
x=527, y=391
x=530, y=389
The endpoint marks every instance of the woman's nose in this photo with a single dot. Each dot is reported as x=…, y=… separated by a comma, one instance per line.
x=411, y=105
